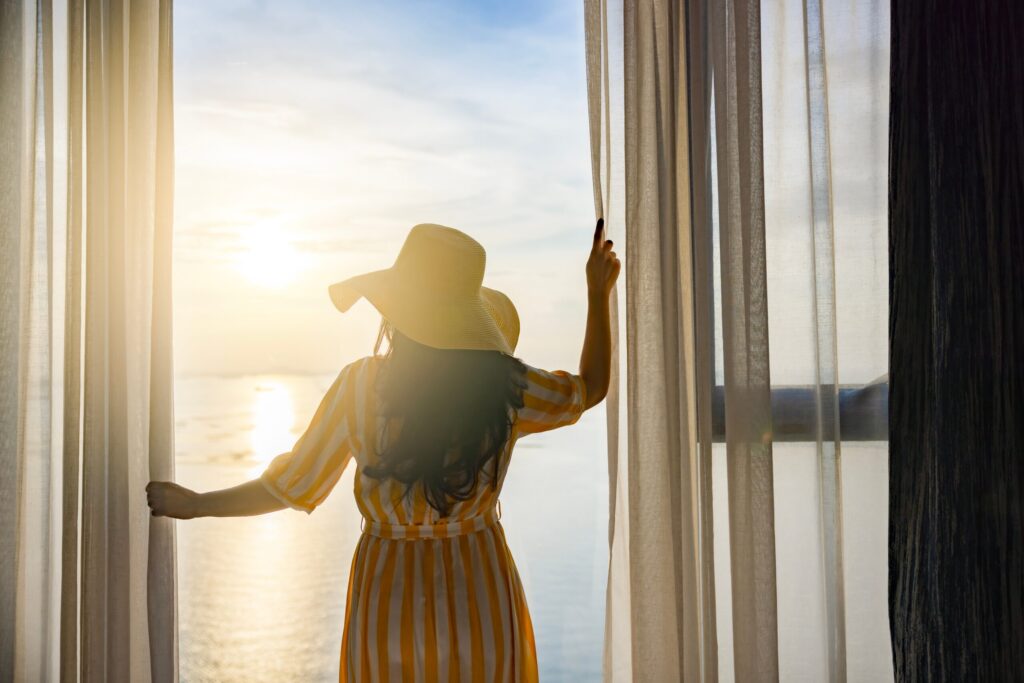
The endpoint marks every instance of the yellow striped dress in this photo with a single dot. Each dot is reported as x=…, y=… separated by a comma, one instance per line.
x=429, y=599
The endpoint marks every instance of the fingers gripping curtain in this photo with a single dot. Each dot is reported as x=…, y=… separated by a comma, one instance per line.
x=87, y=577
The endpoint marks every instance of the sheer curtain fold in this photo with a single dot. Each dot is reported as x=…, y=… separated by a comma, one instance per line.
x=736, y=75
x=604, y=49
x=73, y=328
x=86, y=354
x=823, y=324
x=659, y=343
x=27, y=469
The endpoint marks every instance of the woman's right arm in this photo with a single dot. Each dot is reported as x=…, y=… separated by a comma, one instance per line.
x=595, y=361
x=167, y=499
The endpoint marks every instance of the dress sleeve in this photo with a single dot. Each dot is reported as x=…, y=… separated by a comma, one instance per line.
x=302, y=477
x=550, y=400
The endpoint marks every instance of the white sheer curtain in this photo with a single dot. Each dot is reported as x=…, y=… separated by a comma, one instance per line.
x=86, y=578
x=739, y=154
x=658, y=591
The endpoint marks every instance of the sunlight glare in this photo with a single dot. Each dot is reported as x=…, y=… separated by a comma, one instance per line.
x=273, y=418
x=269, y=258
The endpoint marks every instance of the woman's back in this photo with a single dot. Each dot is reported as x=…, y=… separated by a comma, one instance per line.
x=349, y=425
x=427, y=593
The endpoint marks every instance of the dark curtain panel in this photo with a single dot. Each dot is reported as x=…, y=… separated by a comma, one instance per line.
x=956, y=222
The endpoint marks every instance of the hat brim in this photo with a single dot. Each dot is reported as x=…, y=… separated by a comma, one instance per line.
x=486, y=321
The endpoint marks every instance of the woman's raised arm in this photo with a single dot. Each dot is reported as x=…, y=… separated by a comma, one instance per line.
x=595, y=361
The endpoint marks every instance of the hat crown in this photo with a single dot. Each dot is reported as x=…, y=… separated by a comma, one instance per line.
x=442, y=259
x=434, y=293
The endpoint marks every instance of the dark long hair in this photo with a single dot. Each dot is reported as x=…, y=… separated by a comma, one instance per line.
x=452, y=414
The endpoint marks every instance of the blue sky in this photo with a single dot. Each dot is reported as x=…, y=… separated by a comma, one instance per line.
x=311, y=135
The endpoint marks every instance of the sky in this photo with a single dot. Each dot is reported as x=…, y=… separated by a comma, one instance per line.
x=310, y=136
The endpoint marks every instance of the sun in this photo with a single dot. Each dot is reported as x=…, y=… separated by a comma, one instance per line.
x=268, y=257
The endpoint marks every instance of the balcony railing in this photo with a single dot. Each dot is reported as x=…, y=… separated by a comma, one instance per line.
x=863, y=413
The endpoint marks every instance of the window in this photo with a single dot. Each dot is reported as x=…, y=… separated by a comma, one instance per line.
x=854, y=121
x=310, y=137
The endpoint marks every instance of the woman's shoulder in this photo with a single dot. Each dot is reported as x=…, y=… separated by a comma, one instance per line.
x=361, y=364
x=360, y=371
x=538, y=375
x=551, y=399
x=540, y=382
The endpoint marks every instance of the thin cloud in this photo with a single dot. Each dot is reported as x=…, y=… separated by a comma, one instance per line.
x=344, y=124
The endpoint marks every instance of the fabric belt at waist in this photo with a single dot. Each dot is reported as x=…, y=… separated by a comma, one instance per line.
x=411, y=532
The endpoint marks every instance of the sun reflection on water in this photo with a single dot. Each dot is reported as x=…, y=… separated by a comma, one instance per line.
x=273, y=421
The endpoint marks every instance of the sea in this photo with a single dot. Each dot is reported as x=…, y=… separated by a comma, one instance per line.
x=263, y=598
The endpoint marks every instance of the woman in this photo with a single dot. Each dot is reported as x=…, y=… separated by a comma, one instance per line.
x=433, y=592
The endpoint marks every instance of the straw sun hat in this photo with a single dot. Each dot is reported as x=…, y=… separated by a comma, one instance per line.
x=434, y=293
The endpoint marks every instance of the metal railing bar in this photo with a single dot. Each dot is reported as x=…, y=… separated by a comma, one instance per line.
x=863, y=413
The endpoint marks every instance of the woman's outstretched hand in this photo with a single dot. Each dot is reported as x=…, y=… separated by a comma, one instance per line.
x=167, y=499
x=603, y=265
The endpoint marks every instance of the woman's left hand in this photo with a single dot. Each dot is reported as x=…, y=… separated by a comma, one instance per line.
x=167, y=499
